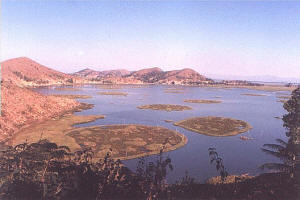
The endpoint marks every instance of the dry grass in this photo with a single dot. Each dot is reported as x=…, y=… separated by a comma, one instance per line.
x=202, y=101
x=269, y=88
x=67, y=89
x=126, y=141
x=113, y=87
x=282, y=101
x=229, y=179
x=54, y=130
x=113, y=93
x=284, y=97
x=174, y=91
x=257, y=95
x=214, y=126
x=73, y=96
x=165, y=107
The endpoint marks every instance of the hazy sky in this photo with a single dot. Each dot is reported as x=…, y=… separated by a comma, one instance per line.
x=228, y=38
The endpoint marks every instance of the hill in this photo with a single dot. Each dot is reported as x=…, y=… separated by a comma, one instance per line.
x=26, y=72
x=93, y=74
x=144, y=76
x=22, y=106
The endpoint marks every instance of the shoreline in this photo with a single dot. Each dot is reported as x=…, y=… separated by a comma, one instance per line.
x=232, y=133
x=266, y=87
x=60, y=132
x=80, y=107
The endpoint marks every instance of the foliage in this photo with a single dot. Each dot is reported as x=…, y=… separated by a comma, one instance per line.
x=285, y=152
x=44, y=170
x=214, y=158
x=152, y=175
x=292, y=118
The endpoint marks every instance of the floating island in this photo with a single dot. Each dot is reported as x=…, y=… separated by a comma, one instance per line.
x=202, y=101
x=284, y=97
x=165, y=107
x=215, y=126
x=73, y=96
x=252, y=94
x=126, y=141
x=67, y=89
x=113, y=87
x=282, y=101
x=174, y=91
x=113, y=93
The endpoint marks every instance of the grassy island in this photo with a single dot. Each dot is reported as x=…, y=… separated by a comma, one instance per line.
x=174, y=91
x=113, y=87
x=67, y=89
x=73, y=96
x=256, y=95
x=54, y=130
x=214, y=126
x=165, y=107
x=284, y=97
x=128, y=141
x=202, y=101
x=113, y=93
x=125, y=141
x=282, y=101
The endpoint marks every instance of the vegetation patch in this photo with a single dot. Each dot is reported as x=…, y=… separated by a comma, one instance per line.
x=54, y=130
x=67, y=89
x=73, y=96
x=229, y=179
x=251, y=94
x=109, y=87
x=128, y=141
x=124, y=141
x=282, y=101
x=113, y=93
x=284, y=97
x=174, y=91
x=201, y=101
x=165, y=107
x=214, y=126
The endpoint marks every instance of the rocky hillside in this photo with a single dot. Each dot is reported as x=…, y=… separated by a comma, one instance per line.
x=22, y=106
x=151, y=75
x=26, y=72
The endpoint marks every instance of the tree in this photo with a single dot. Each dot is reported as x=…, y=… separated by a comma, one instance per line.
x=287, y=152
x=43, y=170
x=215, y=158
x=292, y=118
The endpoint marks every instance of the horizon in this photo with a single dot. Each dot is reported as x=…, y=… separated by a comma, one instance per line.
x=249, y=38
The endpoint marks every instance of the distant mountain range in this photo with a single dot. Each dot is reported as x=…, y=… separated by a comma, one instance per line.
x=149, y=75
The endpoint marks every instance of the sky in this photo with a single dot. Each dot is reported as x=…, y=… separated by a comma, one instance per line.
x=245, y=38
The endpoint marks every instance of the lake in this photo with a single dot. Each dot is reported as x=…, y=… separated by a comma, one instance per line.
x=239, y=156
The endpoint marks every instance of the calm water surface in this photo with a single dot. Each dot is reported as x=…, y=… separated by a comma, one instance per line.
x=238, y=156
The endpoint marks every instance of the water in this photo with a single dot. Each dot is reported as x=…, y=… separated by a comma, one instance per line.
x=238, y=156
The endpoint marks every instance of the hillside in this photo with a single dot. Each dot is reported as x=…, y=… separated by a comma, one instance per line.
x=22, y=106
x=150, y=75
x=94, y=75
x=26, y=72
